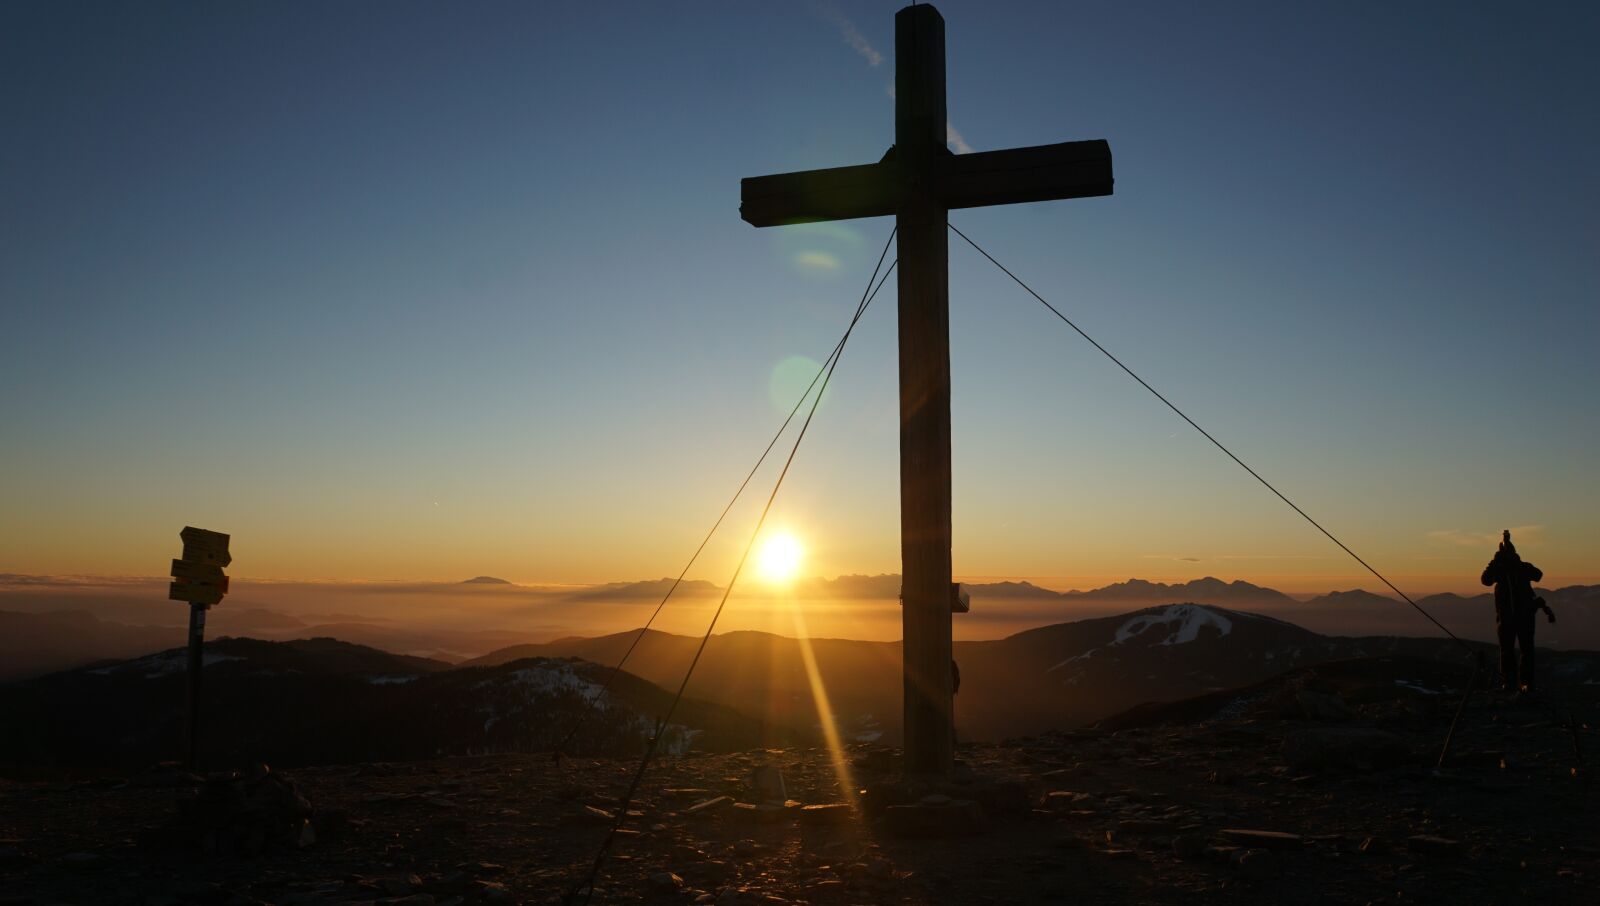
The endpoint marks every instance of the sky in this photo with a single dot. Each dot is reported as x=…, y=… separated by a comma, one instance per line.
x=422, y=291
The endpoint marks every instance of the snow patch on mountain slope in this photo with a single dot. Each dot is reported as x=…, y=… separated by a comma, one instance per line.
x=163, y=664
x=1189, y=620
x=553, y=678
x=1185, y=620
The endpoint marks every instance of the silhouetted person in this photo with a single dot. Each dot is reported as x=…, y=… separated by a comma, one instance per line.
x=1515, y=606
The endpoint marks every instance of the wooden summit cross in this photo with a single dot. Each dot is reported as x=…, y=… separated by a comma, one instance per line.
x=918, y=181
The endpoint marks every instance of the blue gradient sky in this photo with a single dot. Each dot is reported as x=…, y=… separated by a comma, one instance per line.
x=423, y=290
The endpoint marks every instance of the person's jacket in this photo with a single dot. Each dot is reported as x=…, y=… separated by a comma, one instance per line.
x=1512, y=578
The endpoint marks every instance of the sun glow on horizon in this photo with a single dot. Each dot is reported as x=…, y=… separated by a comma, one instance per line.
x=778, y=560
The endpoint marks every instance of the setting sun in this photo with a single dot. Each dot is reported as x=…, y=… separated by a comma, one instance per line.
x=779, y=558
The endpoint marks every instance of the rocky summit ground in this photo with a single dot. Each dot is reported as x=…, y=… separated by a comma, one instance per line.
x=1302, y=792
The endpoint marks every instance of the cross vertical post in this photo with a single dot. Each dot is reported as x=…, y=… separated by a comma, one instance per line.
x=923, y=247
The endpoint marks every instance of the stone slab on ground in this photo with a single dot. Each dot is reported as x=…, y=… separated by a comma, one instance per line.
x=936, y=816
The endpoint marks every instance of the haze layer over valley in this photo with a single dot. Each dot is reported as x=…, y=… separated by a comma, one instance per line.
x=55, y=623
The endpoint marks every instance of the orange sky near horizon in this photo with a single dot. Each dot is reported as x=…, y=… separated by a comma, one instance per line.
x=446, y=324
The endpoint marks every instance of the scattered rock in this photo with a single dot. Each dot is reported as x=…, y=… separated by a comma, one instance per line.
x=1356, y=748
x=665, y=882
x=167, y=775
x=492, y=891
x=998, y=797
x=1258, y=863
x=759, y=813
x=936, y=816
x=684, y=853
x=879, y=761
x=1145, y=826
x=713, y=806
x=244, y=813
x=831, y=813
x=766, y=783
x=588, y=816
x=330, y=823
x=1433, y=845
x=1189, y=846
x=396, y=887
x=1322, y=706
x=1061, y=800
x=1262, y=838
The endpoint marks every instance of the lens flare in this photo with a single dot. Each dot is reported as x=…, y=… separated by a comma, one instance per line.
x=789, y=379
x=817, y=260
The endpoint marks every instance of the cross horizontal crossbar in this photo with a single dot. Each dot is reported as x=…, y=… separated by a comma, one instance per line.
x=1040, y=173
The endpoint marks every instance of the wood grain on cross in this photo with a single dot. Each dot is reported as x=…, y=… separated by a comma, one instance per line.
x=918, y=181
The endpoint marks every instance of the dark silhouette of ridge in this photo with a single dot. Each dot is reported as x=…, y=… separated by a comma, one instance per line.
x=320, y=701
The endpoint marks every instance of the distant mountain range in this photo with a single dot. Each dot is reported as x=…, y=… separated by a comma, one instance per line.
x=1207, y=590
x=1200, y=591
x=35, y=643
x=886, y=586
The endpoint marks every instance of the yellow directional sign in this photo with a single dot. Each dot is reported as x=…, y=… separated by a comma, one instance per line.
x=200, y=537
x=201, y=546
x=202, y=573
x=195, y=594
x=198, y=577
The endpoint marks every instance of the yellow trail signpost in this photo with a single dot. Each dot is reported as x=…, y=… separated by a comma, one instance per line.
x=198, y=579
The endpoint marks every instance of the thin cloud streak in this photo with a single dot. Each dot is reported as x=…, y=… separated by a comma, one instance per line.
x=852, y=35
x=955, y=141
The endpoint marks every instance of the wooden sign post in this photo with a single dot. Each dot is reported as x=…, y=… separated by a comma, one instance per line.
x=919, y=181
x=199, y=580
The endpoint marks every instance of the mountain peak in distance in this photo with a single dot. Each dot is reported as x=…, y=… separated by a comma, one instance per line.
x=485, y=580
